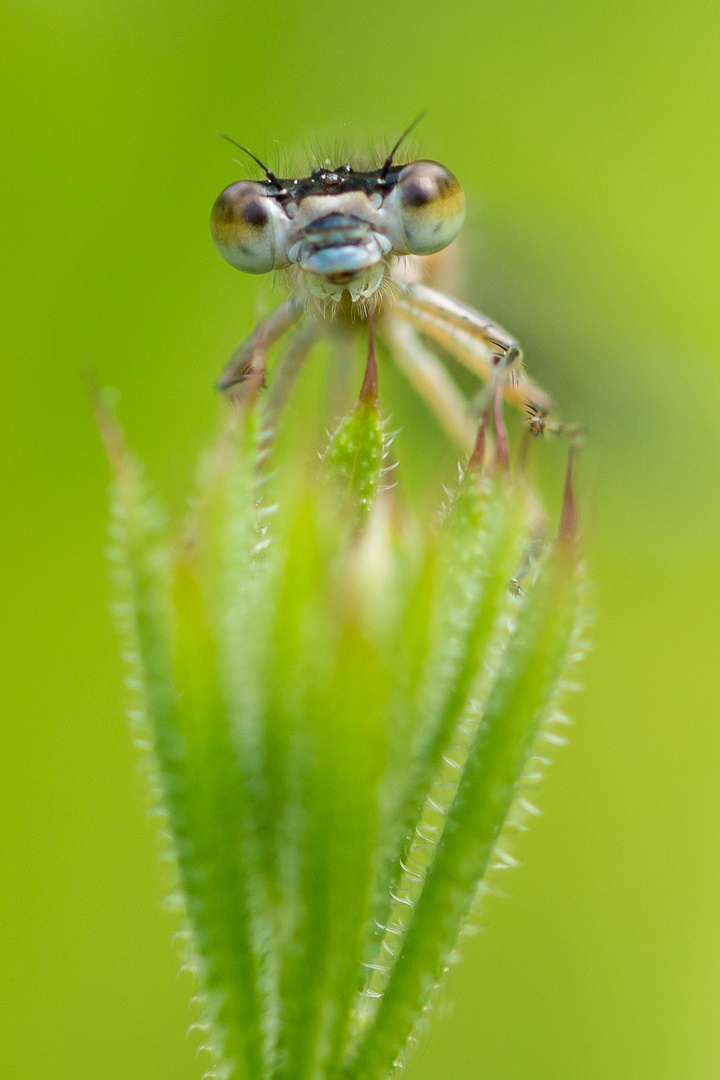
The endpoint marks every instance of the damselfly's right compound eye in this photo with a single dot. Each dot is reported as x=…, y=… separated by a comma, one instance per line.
x=431, y=207
x=243, y=227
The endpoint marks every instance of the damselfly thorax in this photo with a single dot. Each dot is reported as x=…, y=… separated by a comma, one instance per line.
x=352, y=244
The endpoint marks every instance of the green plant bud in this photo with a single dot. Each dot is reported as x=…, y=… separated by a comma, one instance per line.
x=359, y=446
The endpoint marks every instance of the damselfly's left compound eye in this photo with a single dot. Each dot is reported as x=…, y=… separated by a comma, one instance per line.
x=243, y=227
x=431, y=207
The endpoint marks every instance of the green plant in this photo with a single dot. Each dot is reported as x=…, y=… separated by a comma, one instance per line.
x=341, y=710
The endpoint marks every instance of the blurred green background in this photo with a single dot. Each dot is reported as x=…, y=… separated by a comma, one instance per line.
x=587, y=137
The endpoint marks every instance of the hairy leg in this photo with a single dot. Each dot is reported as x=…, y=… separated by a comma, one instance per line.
x=251, y=355
x=471, y=338
x=498, y=341
x=284, y=374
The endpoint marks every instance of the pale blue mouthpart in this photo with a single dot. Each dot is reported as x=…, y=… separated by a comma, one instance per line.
x=346, y=258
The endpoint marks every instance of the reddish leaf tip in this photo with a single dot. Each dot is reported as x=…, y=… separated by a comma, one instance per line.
x=369, y=389
x=477, y=457
x=569, y=516
x=111, y=433
x=501, y=436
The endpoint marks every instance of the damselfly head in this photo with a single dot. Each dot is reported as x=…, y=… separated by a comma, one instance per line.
x=339, y=226
x=341, y=233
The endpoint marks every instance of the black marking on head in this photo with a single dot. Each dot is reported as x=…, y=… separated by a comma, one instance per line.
x=326, y=182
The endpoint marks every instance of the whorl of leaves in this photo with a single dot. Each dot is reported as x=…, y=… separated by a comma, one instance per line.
x=340, y=714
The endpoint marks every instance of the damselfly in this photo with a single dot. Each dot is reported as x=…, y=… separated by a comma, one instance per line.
x=353, y=243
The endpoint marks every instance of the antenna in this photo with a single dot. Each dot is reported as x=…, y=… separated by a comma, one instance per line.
x=268, y=172
x=389, y=159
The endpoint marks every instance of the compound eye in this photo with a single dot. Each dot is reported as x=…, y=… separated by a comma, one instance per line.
x=243, y=227
x=431, y=206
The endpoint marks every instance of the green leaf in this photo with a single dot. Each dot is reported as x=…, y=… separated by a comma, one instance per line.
x=522, y=699
x=218, y=853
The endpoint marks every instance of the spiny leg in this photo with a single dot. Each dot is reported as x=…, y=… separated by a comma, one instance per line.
x=461, y=315
x=431, y=380
x=284, y=375
x=251, y=355
x=519, y=389
x=539, y=422
x=477, y=357
x=471, y=338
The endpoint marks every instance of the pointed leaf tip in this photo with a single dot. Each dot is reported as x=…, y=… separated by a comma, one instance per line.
x=477, y=457
x=357, y=448
x=369, y=389
x=102, y=401
x=568, y=517
x=501, y=436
